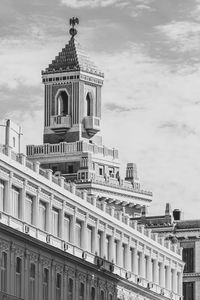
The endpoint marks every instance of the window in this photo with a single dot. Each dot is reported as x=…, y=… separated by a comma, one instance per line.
x=29, y=209
x=70, y=169
x=58, y=286
x=188, y=290
x=110, y=297
x=92, y=293
x=4, y=272
x=13, y=141
x=70, y=289
x=32, y=282
x=55, y=221
x=45, y=284
x=81, y=291
x=42, y=215
x=2, y=195
x=188, y=258
x=62, y=104
x=18, y=277
x=78, y=234
x=100, y=171
x=89, y=102
x=89, y=239
x=67, y=228
x=15, y=202
x=102, y=295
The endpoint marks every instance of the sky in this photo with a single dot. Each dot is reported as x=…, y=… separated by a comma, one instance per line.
x=149, y=53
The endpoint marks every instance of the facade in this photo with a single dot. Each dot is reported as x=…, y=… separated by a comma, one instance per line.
x=185, y=233
x=66, y=228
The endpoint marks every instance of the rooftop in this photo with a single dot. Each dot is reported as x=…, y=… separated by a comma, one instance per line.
x=72, y=58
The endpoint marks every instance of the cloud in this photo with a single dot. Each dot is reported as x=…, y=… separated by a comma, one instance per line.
x=119, y=108
x=184, y=35
x=176, y=128
x=93, y=3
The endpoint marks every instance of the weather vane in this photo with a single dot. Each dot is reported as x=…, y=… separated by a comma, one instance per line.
x=72, y=22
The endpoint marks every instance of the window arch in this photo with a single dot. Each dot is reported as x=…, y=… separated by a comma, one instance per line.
x=62, y=103
x=89, y=101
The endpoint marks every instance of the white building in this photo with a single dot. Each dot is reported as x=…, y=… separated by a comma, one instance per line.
x=75, y=240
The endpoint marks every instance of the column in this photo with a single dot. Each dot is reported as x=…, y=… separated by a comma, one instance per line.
x=135, y=261
x=73, y=228
x=95, y=242
x=162, y=274
x=61, y=222
x=168, y=278
x=155, y=263
x=119, y=253
x=8, y=194
x=48, y=215
x=84, y=240
x=36, y=220
x=26, y=274
x=149, y=269
x=179, y=283
x=128, y=257
x=103, y=243
x=112, y=247
x=174, y=276
x=23, y=200
x=142, y=264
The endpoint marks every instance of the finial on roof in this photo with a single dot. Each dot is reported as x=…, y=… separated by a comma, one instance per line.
x=72, y=22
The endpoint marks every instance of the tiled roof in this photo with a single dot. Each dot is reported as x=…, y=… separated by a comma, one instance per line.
x=72, y=58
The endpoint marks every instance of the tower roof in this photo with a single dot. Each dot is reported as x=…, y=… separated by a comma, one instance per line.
x=72, y=58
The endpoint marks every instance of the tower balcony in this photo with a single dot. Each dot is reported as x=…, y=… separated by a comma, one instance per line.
x=92, y=124
x=60, y=123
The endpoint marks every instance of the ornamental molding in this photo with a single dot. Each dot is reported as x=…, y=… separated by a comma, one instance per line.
x=46, y=263
x=69, y=272
x=110, y=287
x=82, y=277
x=59, y=268
x=33, y=257
x=4, y=246
x=102, y=284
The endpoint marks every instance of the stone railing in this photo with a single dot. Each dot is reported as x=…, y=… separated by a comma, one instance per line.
x=71, y=187
x=64, y=148
x=114, y=182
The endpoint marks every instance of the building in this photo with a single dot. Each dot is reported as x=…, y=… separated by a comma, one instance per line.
x=66, y=227
x=185, y=233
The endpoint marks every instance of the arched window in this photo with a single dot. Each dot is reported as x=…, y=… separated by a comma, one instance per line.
x=32, y=282
x=102, y=295
x=63, y=104
x=4, y=272
x=18, y=277
x=70, y=289
x=89, y=100
x=93, y=293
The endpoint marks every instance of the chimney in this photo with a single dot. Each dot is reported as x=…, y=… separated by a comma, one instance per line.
x=168, y=210
x=177, y=214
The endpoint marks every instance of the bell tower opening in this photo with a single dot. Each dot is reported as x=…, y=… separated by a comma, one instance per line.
x=62, y=104
x=89, y=101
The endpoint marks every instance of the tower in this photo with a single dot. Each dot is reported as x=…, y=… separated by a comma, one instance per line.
x=72, y=95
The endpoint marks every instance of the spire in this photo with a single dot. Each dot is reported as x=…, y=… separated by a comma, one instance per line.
x=72, y=22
